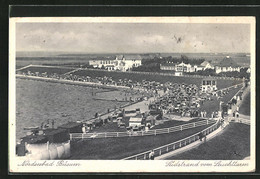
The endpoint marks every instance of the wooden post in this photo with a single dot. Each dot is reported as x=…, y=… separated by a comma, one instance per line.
x=117, y=134
x=181, y=127
x=185, y=142
x=144, y=156
x=70, y=136
x=168, y=130
x=160, y=153
x=167, y=149
x=105, y=135
x=173, y=147
x=136, y=158
x=180, y=144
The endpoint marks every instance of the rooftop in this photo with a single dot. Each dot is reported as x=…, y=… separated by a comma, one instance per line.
x=228, y=62
x=135, y=119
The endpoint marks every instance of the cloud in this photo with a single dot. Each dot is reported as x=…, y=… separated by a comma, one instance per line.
x=139, y=38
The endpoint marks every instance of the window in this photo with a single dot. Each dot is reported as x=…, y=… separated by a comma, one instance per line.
x=213, y=82
x=204, y=82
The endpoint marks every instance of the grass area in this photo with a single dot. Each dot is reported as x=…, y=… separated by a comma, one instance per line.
x=173, y=123
x=108, y=127
x=118, y=148
x=154, y=77
x=112, y=126
x=232, y=144
x=245, y=106
x=46, y=69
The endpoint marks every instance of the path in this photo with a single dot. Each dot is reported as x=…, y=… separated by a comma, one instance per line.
x=192, y=145
x=213, y=134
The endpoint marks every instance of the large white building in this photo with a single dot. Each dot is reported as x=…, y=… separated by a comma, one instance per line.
x=227, y=65
x=121, y=62
x=208, y=85
x=179, y=68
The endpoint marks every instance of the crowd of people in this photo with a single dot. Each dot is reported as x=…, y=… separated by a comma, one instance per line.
x=183, y=100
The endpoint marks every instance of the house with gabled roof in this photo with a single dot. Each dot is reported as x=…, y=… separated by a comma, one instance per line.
x=206, y=65
x=227, y=65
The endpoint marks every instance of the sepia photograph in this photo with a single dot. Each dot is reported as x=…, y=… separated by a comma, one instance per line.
x=132, y=94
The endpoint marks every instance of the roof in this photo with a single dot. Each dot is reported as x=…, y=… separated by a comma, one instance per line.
x=54, y=131
x=205, y=63
x=168, y=64
x=133, y=57
x=119, y=57
x=149, y=118
x=70, y=125
x=34, y=139
x=135, y=119
x=228, y=62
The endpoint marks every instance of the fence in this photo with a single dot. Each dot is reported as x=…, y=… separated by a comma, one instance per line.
x=140, y=133
x=175, y=145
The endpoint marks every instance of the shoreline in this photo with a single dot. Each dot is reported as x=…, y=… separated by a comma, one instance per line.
x=79, y=83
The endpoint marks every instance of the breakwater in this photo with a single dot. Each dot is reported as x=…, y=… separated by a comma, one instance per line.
x=79, y=83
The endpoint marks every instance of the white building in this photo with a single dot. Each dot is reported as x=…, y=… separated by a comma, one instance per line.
x=208, y=85
x=135, y=121
x=168, y=66
x=121, y=62
x=227, y=65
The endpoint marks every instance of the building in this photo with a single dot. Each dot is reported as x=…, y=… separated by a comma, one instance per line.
x=135, y=121
x=181, y=67
x=227, y=65
x=168, y=66
x=120, y=62
x=208, y=85
x=178, y=73
x=206, y=65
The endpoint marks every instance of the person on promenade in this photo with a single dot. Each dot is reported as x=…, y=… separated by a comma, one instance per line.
x=237, y=114
x=200, y=136
x=205, y=138
x=151, y=155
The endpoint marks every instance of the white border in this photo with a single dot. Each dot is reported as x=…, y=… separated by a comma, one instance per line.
x=116, y=165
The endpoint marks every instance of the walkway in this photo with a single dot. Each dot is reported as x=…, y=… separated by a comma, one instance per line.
x=192, y=145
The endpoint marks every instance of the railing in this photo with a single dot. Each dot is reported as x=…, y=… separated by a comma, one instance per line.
x=175, y=145
x=141, y=133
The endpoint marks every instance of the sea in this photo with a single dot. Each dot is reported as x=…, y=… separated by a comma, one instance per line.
x=39, y=101
x=40, y=58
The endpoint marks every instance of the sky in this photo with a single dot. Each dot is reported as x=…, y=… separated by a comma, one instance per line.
x=133, y=37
